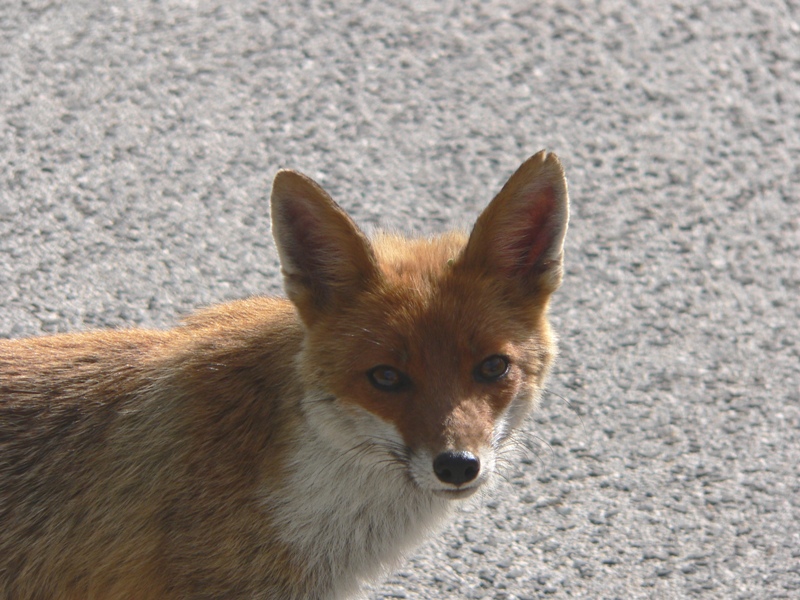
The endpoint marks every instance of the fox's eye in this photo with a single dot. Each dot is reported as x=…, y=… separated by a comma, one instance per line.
x=387, y=378
x=492, y=368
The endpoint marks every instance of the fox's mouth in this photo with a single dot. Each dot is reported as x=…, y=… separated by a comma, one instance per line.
x=457, y=493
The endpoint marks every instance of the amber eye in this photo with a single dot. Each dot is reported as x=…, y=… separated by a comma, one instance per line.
x=387, y=379
x=492, y=368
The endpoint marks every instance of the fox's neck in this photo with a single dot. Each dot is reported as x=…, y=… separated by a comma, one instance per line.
x=350, y=518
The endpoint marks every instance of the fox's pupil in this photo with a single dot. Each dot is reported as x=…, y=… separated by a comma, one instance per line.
x=386, y=378
x=493, y=368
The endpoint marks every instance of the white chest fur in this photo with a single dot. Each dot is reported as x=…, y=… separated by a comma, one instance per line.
x=351, y=515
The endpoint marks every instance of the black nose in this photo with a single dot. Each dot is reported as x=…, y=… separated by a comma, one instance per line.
x=456, y=467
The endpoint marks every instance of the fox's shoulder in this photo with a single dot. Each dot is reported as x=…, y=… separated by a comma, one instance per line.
x=268, y=317
x=250, y=314
x=253, y=331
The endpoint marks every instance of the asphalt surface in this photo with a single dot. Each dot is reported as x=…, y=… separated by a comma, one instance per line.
x=137, y=146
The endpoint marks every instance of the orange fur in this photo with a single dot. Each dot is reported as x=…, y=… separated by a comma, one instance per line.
x=252, y=452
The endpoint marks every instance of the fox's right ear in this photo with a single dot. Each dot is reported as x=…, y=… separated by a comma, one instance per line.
x=520, y=235
x=325, y=258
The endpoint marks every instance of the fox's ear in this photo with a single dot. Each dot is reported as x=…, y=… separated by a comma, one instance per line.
x=325, y=258
x=520, y=235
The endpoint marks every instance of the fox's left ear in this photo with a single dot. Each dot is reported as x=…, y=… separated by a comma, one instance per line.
x=520, y=235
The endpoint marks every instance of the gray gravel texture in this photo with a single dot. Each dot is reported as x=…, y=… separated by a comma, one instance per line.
x=139, y=140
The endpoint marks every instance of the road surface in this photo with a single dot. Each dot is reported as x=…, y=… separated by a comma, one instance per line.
x=138, y=141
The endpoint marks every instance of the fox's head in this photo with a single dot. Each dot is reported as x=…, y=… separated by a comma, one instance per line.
x=425, y=355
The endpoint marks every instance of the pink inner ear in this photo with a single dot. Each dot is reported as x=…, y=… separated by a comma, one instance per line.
x=536, y=235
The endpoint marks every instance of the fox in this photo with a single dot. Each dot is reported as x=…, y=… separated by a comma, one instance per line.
x=284, y=448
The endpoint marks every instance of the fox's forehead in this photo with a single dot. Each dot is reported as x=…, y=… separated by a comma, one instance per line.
x=418, y=302
x=424, y=310
x=400, y=258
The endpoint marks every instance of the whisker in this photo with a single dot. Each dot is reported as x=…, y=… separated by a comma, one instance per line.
x=572, y=409
x=519, y=443
x=360, y=447
x=541, y=440
x=502, y=475
x=323, y=400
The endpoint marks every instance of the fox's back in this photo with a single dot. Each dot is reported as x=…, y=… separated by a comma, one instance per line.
x=108, y=439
